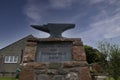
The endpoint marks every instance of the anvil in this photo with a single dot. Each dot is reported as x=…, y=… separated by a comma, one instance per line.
x=54, y=29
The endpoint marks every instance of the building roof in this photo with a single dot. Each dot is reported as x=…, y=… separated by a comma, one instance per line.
x=25, y=38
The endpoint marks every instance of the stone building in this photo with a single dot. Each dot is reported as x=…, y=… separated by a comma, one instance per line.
x=11, y=55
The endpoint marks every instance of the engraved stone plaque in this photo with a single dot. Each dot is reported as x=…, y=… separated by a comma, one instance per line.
x=54, y=51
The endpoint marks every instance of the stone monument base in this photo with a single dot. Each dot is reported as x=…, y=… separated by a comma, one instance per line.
x=35, y=69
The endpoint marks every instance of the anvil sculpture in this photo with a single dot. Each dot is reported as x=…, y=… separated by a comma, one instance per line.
x=55, y=30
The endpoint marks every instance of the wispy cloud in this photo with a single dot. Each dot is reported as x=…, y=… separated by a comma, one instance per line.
x=96, y=1
x=33, y=13
x=104, y=19
x=61, y=3
x=36, y=10
x=105, y=1
x=106, y=27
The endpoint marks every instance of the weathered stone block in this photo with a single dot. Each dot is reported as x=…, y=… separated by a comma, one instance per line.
x=34, y=65
x=52, y=72
x=62, y=72
x=42, y=77
x=54, y=65
x=72, y=76
x=32, y=44
x=40, y=66
x=75, y=69
x=58, y=77
x=74, y=64
x=29, y=58
x=79, y=53
x=39, y=71
x=84, y=73
x=28, y=65
x=29, y=54
x=77, y=42
x=27, y=74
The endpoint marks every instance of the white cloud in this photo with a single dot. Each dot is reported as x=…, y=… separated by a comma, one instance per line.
x=102, y=15
x=61, y=3
x=95, y=1
x=108, y=27
x=33, y=13
x=103, y=25
x=110, y=2
x=36, y=10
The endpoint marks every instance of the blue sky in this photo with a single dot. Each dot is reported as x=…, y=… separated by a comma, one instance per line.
x=95, y=20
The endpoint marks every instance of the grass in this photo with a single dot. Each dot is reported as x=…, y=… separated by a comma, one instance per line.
x=7, y=78
x=109, y=79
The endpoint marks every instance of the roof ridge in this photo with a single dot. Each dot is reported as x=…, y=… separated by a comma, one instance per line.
x=29, y=36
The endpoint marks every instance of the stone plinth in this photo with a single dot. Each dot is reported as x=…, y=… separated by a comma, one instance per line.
x=74, y=67
x=27, y=74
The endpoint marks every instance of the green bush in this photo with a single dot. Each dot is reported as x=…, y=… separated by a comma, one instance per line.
x=110, y=78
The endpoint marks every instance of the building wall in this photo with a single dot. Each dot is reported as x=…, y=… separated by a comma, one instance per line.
x=15, y=49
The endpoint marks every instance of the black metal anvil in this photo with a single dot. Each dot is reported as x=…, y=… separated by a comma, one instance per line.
x=55, y=30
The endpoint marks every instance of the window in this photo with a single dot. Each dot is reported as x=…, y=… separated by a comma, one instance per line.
x=6, y=58
x=11, y=59
x=15, y=59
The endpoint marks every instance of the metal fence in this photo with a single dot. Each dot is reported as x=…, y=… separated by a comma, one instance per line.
x=7, y=74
